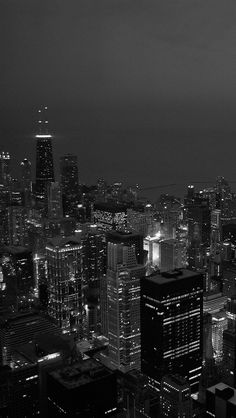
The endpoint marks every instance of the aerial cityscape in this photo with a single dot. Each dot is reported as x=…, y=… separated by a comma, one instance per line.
x=113, y=305
x=117, y=209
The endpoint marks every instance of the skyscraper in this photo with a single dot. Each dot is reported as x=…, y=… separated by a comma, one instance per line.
x=123, y=300
x=5, y=168
x=26, y=181
x=44, y=159
x=54, y=200
x=26, y=175
x=171, y=326
x=64, y=265
x=69, y=184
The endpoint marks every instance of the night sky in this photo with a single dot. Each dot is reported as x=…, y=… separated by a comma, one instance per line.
x=141, y=90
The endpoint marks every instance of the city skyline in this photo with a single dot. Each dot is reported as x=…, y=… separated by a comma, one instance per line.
x=117, y=209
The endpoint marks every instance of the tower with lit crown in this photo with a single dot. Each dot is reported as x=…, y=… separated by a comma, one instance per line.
x=44, y=158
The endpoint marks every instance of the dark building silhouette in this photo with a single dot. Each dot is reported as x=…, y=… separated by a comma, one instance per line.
x=5, y=168
x=172, y=326
x=84, y=389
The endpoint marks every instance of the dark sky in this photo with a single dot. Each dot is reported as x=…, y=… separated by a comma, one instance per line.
x=141, y=90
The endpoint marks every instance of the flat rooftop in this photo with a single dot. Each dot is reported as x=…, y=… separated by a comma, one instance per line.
x=80, y=373
x=171, y=276
x=222, y=386
x=62, y=242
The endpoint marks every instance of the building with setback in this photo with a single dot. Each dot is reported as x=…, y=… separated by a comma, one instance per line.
x=172, y=326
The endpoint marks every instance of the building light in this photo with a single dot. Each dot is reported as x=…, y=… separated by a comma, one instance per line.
x=43, y=136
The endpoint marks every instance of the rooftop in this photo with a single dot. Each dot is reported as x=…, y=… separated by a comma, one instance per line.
x=62, y=242
x=80, y=373
x=170, y=276
x=225, y=389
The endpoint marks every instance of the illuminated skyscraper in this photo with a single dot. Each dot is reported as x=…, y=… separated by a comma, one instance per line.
x=64, y=271
x=123, y=300
x=69, y=184
x=219, y=324
x=44, y=158
x=172, y=326
x=5, y=168
x=94, y=270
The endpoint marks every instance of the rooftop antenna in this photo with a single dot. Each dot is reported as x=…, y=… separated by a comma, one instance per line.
x=42, y=123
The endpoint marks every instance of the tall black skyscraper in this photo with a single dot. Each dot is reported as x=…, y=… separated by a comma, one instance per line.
x=171, y=326
x=69, y=184
x=44, y=158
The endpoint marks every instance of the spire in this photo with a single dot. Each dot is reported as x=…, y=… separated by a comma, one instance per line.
x=42, y=123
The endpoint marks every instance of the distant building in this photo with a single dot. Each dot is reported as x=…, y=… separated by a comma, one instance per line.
x=172, y=255
x=69, y=184
x=110, y=216
x=5, y=168
x=44, y=159
x=54, y=201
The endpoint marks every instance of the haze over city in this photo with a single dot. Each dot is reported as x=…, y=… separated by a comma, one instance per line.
x=143, y=91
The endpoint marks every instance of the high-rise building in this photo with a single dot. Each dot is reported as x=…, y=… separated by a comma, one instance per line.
x=199, y=229
x=219, y=324
x=5, y=168
x=123, y=303
x=215, y=231
x=17, y=227
x=54, y=200
x=64, y=271
x=172, y=255
x=94, y=247
x=26, y=175
x=18, y=276
x=69, y=184
x=172, y=326
x=44, y=159
x=229, y=344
